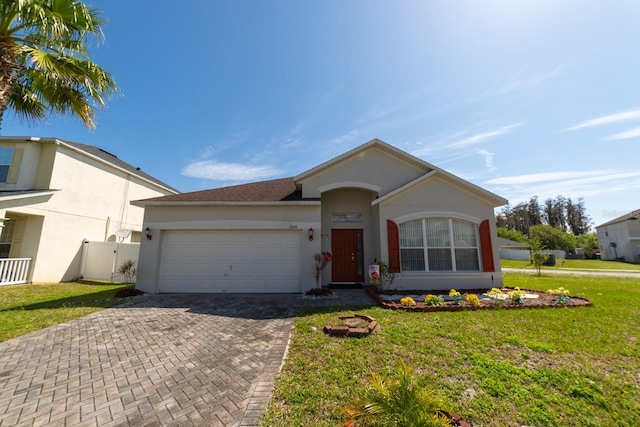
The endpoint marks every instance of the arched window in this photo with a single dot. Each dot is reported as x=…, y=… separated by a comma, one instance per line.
x=439, y=244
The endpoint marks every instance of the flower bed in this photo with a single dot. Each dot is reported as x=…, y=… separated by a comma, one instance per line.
x=478, y=299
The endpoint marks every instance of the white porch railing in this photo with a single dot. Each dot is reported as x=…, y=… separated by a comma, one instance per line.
x=14, y=271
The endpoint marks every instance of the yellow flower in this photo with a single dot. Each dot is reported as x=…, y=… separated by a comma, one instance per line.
x=407, y=301
x=516, y=296
x=433, y=300
x=495, y=292
x=454, y=293
x=472, y=299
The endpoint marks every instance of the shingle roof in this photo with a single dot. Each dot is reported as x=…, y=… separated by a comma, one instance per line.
x=276, y=190
x=622, y=218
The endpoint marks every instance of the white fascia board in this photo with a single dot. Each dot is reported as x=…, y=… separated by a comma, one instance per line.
x=143, y=203
x=27, y=195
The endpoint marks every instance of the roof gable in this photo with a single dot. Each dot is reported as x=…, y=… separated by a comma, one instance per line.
x=631, y=215
x=374, y=166
x=105, y=156
x=466, y=186
x=359, y=151
x=94, y=153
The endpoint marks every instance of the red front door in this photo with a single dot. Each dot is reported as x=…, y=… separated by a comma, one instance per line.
x=347, y=263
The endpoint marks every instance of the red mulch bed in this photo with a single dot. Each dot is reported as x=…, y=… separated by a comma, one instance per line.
x=544, y=300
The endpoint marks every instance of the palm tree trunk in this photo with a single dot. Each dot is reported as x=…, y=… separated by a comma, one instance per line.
x=8, y=67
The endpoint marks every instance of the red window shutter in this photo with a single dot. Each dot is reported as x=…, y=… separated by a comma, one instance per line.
x=485, y=247
x=393, y=244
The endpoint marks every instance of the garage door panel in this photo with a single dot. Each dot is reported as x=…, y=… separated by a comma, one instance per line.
x=230, y=261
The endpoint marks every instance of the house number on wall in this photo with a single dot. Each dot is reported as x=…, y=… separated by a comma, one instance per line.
x=293, y=227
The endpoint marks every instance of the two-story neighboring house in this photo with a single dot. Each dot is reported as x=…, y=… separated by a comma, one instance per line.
x=54, y=194
x=620, y=237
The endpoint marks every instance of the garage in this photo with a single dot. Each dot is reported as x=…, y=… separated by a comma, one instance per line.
x=233, y=261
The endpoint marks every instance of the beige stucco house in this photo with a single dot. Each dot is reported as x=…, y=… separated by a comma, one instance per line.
x=54, y=195
x=620, y=238
x=373, y=203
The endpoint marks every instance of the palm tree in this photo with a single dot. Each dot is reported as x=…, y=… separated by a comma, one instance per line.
x=45, y=67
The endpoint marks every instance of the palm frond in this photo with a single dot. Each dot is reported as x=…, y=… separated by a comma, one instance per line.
x=48, y=66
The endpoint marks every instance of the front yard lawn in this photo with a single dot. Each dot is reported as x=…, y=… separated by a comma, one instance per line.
x=27, y=308
x=578, y=264
x=542, y=367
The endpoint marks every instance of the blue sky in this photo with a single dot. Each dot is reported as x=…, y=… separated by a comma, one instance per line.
x=523, y=98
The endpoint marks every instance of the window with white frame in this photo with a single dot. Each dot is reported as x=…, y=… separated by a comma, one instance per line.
x=6, y=237
x=439, y=244
x=5, y=162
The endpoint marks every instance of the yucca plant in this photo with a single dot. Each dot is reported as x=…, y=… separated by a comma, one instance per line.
x=398, y=401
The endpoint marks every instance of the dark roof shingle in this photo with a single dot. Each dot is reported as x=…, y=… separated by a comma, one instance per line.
x=276, y=190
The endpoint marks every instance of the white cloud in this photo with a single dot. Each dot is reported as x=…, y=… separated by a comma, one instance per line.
x=633, y=133
x=519, y=82
x=488, y=160
x=211, y=169
x=443, y=144
x=605, y=120
x=540, y=177
x=293, y=138
x=567, y=183
x=484, y=136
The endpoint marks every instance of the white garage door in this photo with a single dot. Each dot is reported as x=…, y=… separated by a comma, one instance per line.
x=230, y=261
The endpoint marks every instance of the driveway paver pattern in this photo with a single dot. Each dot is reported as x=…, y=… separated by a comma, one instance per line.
x=159, y=360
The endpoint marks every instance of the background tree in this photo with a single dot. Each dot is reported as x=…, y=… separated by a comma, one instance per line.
x=538, y=257
x=577, y=219
x=534, y=211
x=512, y=235
x=45, y=67
x=554, y=212
x=551, y=237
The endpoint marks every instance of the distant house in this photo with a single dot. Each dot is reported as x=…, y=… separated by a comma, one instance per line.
x=511, y=249
x=373, y=203
x=620, y=237
x=54, y=194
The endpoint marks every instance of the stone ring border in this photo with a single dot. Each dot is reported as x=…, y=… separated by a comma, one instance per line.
x=352, y=332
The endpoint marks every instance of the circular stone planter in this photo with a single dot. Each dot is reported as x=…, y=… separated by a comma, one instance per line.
x=357, y=325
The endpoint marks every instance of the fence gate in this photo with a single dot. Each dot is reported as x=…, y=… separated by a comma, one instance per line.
x=101, y=260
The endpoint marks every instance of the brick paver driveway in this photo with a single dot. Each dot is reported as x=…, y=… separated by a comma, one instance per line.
x=159, y=360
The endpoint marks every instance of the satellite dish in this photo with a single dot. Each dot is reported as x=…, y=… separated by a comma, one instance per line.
x=123, y=233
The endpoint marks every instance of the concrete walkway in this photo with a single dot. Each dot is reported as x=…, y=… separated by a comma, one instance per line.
x=160, y=360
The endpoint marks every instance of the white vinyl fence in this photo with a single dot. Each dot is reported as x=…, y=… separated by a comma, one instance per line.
x=523, y=254
x=101, y=260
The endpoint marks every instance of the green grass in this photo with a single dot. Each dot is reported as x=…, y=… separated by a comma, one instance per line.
x=579, y=264
x=542, y=367
x=27, y=308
